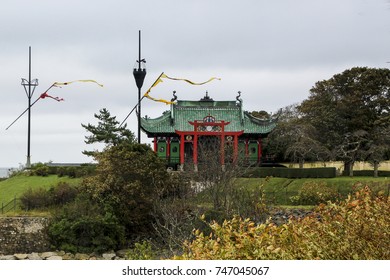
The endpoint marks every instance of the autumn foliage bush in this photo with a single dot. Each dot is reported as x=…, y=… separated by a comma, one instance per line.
x=356, y=228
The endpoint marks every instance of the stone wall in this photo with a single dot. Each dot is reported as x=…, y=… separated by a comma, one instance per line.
x=23, y=235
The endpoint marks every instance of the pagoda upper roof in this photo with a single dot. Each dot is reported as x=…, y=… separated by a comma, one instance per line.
x=183, y=112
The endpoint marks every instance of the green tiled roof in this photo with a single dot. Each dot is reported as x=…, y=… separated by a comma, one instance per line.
x=184, y=111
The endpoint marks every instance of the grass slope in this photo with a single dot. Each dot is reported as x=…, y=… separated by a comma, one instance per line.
x=17, y=185
x=279, y=190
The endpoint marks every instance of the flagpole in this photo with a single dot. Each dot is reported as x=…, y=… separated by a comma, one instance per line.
x=28, y=164
x=29, y=94
x=136, y=105
x=139, y=76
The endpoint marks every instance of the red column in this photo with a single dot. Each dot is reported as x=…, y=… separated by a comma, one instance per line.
x=182, y=149
x=168, y=148
x=155, y=144
x=259, y=151
x=223, y=149
x=235, y=148
x=195, y=150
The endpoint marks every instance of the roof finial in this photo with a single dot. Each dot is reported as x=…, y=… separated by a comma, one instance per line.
x=207, y=97
x=174, y=96
x=238, y=97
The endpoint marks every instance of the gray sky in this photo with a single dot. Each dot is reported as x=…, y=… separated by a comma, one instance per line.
x=271, y=51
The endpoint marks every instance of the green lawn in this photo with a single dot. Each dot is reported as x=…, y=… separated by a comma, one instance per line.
x=279, y=190
x=16, y=186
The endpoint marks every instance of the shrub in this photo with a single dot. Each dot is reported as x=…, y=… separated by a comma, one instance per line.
x=142, y=251
x=40, y=170
x=62, y=194
x=34, y=199
x=356, y=228
x=40, y=198
x=314, y=193
x=85, y=227
x=129, y=178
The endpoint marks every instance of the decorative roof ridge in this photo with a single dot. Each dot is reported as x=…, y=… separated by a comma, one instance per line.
x=259, y=121
x=164, y=115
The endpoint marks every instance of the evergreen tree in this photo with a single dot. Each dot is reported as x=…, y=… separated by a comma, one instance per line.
x=107, y=131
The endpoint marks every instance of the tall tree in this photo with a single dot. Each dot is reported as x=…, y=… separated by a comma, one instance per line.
x=378, y=148
x=294, y=139
x=347, y=108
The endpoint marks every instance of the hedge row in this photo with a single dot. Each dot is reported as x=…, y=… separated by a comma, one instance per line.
x=262, y=172
x=70, y=171
x=368, y=173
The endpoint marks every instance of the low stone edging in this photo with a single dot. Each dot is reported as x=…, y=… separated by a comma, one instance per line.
x=61, y=255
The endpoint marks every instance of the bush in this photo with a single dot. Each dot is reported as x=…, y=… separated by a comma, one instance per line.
x=314, y=193
x=249, y=204
x=85, y=227
x=40, y=198
x=34, y=199
x=39, y=169
x=142, y=251
x=62, y=194
x=129, y=178
x=356, y=228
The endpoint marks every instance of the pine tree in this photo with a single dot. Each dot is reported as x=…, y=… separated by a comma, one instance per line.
x=107, y=131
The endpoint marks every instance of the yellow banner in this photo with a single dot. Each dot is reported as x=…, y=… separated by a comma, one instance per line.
x=158, y=100
x=77, y=81
x=162, y=76
x=190, y=82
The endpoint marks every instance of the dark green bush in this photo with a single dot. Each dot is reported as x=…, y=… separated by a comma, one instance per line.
x=84, y=226
x=41, y=169
x=34, y=199
x=40, y=198
x=62, y=194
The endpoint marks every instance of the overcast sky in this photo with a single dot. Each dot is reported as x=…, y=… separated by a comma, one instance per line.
x=271, y=51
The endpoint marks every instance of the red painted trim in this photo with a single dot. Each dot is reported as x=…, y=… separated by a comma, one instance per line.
x=155, y=144
x=222, y=149
x=168, y=139
x=182, y=149
x=235, y=148
x=259, y=150
x=208, y=133
x=195, y=149
x=220, y=123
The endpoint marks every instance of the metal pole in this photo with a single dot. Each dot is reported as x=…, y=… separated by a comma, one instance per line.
x=28, y=164
x=139, y=75
x=139, y=89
